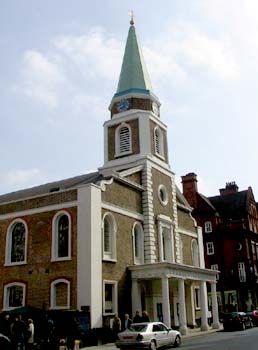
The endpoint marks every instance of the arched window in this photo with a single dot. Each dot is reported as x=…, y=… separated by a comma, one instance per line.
x=158, y=141
x=61, y=236
x=16, y=243
x=60, y=294
x=109, y=237
x=195, y=253
x=138, y=243
x=14, y=295
x=123, y=140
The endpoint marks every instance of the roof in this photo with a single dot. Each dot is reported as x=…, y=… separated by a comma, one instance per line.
x=231, y=206
x=134, y=76
x=56, y=186
x=207, y=201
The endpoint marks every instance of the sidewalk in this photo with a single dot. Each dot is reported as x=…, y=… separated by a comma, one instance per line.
x=192, y=333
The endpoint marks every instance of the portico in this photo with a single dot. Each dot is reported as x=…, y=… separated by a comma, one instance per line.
x=176, y=285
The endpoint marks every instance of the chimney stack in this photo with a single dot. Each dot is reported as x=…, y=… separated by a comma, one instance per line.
x=231, y=187
x=190, y=189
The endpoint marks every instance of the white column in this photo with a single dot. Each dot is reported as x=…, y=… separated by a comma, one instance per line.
x=182, y=309
x=135, y=297
x=200, y=245
x=165, y=301
x=214, y=301
x=204, y=306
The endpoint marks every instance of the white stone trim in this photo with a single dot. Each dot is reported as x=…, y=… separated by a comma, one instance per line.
x=147, y=204
x=134, y=160
x=38, y=210
x=109, y=256
x=187, y=232
x=122, y=118
x=119, y=210
x=53, y=305
x=54, y=250
x=172, y=270
x=6, y=287
x=89, y=252
x=163, y=189
x=165, y=223
x=8, y=243
x=118, y=152
x=139, y=260
x=131, y=171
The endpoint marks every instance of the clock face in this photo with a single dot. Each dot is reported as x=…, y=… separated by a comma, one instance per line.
x=123, y=105
x=155, y=108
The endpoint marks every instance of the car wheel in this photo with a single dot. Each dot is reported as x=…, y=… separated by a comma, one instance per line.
x=153, y=345
x=177, y=341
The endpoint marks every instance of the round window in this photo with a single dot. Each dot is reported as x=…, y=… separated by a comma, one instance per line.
x=163, y=194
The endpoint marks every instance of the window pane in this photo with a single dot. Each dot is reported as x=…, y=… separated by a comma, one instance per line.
x=61, y=294
x=107, y=238
x=63, y=236
x=15, y=296
x=18, y=243
x=108, y=297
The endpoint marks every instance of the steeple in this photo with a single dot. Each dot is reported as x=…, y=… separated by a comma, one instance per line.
x=134, y=77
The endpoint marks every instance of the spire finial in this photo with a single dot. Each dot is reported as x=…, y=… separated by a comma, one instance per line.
x=132, y=18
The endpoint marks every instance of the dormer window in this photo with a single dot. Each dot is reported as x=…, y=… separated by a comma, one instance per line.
x=123, y=140
x=158, y=142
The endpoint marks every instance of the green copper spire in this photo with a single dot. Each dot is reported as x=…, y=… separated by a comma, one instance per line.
x=133, y=76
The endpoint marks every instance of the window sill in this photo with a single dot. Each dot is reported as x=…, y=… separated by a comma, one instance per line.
x=118, y=155
x=109, y=260
x=61, y=259
x=15, y=263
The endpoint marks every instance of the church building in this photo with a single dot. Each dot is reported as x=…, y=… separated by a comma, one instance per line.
x=117, y=240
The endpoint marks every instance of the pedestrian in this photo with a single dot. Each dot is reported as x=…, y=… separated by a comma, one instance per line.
x=30, y=334
x=137, y=318
x=19, y=331
x=5, y=327
x=145, y=316
x=116, y=326
x=127, y=322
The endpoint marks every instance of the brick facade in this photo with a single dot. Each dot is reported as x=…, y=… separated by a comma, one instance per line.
x=39, y=271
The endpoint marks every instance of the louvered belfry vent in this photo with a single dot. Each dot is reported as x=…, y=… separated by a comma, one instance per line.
x=124, y=139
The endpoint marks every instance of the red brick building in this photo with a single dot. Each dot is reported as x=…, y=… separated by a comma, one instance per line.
x=230, y=236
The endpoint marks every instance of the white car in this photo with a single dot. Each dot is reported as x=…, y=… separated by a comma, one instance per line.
x=150, y=335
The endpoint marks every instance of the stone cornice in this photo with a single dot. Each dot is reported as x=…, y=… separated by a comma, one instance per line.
x=172, y=270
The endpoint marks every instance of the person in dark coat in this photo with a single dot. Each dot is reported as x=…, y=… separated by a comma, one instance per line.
x=137, y=318
x=5, y=327
x=116, y=327
x=19, y=333
x=127, y=322
x=145, y=316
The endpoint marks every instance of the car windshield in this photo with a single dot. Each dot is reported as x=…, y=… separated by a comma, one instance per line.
x=138, y=328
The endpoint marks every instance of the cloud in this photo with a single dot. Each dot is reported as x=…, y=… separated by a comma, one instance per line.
x=184, y=46
x=94, y=54
x=23, y=177
x=60, y=76
x=40, y=78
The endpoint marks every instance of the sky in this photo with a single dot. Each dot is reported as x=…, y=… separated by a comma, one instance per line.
x=59, y=67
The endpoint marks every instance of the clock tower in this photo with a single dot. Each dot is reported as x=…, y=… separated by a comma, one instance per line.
x=135, y=141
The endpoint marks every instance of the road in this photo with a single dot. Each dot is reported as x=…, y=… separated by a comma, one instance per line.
x=239, y=340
